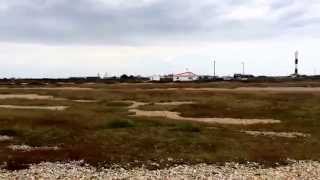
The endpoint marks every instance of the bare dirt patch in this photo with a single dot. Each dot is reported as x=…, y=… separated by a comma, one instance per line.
x=51, y=88
x=176, y=116
x=174, y=103
x=277, y=134
x=5, y=138
x=40, y=97
x=85, y=101
x=135, y=104
x=270, y=89
x=29, y=148
x=53, y=108
x=244, y=89
x=26, y=96
x=280, y=89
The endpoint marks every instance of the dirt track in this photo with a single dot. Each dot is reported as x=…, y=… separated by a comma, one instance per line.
x=176, y=116
x=277, y=134
x=25, y=96
x=244, y=89
x=280, y=89
x=49, y=88
x=174, y=103
x=53, y=108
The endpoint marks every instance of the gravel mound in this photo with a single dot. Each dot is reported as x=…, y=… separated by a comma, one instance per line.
x=74, y=170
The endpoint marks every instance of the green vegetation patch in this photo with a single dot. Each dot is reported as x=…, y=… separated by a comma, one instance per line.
x=187, y=127
x=116, y=124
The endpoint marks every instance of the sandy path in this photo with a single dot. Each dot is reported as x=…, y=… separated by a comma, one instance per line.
x=134, y=104
x=174, y=103
x=85, y=101
x=277, y=134
x=281, y=89
x=5, y=138
x=244, y=89
x=176, y=116
x=53, y=108
x=51, y=88
x=26, y=96
x=29, y=148
x=41, y=97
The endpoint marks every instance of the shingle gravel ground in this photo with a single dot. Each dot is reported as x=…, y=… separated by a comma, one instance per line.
x=73, y=170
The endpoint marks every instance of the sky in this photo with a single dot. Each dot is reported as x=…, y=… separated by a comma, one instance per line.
x=64, y=38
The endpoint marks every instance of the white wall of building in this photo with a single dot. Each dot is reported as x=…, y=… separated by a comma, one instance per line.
x=188, y=76
x=155, y=78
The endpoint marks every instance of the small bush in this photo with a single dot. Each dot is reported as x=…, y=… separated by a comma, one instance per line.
x=120, y=124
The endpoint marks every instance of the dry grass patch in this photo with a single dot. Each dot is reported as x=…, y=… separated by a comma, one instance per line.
x=104, y=132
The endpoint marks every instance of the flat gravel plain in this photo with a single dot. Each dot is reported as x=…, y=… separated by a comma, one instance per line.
x=76, y=170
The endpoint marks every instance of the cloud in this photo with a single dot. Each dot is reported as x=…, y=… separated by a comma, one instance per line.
x=153, y=22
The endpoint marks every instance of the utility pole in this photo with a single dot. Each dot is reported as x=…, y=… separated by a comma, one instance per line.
x=214, y=68
x=296, y=54
x=242, y=68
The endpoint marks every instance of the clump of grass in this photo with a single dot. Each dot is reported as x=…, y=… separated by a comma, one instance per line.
x=103, y=131
x=187, y=127
x=117, y=124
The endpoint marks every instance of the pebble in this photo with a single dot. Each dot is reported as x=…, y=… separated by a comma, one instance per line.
x=76, y=170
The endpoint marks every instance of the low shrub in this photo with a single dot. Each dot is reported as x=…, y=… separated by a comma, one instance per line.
x=188, y=127
x=115, y=124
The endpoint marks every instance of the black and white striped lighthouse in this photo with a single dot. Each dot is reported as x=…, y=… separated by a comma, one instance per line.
x=296, y=55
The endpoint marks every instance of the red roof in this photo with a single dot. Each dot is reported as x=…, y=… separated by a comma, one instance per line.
x=186, y=74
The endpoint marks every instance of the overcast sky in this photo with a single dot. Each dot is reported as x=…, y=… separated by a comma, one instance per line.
x=62, y=38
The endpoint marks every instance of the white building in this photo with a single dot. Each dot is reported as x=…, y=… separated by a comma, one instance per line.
x=155, y=78
x=227, y=78
x=186, y=76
